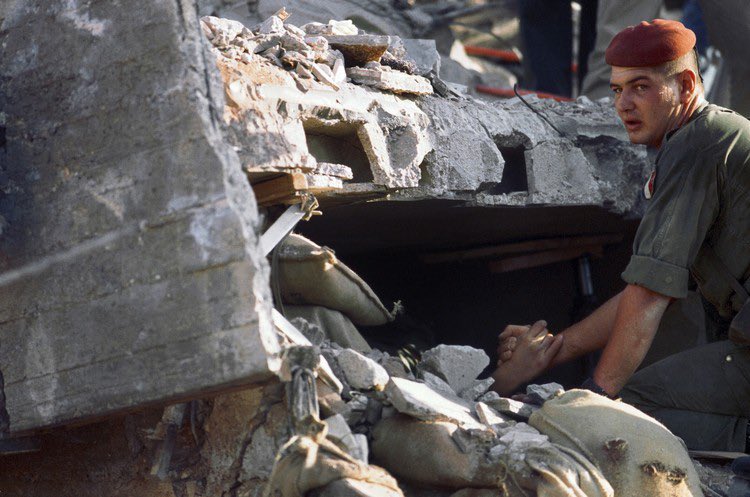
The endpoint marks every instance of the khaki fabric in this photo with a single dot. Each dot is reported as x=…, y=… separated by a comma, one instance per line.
x=636, y=453
x=700, y=198
x=424, y=452
x=310, y=274
x=305, y=464
x=337, y=327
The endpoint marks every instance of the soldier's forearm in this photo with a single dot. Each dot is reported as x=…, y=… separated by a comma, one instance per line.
x=638, y=315
x=589, y=334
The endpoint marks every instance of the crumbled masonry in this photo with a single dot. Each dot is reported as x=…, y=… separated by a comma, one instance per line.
x=291, y=92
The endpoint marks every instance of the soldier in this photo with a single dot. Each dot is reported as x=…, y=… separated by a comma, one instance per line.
x=697, y=223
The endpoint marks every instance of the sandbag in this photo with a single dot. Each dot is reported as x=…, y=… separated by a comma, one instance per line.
x=310, y=274
x=636, y=453
x=336, y=326
x=423, y=452
x=305, y=464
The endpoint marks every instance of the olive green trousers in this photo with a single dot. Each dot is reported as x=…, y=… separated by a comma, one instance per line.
x=702, y=395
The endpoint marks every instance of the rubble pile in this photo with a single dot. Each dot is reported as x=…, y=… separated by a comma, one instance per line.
x=325, y=54
x=305, y=98
x=400, y=417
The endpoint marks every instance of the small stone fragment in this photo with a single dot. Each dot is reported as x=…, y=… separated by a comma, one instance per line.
x=489, y=397
x=329, y=401
x=324, y=75
x=291, y=28
x=361, y=372
x=358, y=50
x=317, y=43
x=359, y=447
x=393, y=81
x=489, y=416
x=422, y=402
x=512, y=407
x=437, y=384
x=459, y=365
x=293, y=42
x=271, y=25
x=345, y=27
x=476, y=390
x=541, y=393
x=314, y=28
x=339, y=72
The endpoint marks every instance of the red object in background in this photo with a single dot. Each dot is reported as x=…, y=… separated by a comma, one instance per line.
x=495, y=53
x=508, y=93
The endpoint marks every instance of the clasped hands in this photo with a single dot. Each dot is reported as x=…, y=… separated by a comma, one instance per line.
x=524, y=352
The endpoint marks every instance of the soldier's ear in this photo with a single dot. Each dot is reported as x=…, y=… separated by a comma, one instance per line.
x=687, y=81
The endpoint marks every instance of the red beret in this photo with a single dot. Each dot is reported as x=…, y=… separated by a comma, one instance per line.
x=649, y=44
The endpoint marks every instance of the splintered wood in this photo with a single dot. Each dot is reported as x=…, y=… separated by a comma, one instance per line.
x=291, y=188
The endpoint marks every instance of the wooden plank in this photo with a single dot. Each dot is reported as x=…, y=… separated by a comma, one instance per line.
x=520, y=247
x=284, y=189
x=542, y=258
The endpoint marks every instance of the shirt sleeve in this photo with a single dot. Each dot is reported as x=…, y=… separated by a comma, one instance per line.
x=683, y=207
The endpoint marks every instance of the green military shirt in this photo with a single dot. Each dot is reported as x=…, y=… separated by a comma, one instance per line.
x=701, y=197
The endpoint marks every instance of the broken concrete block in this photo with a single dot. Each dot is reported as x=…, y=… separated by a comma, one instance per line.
x=393, y=81
x=473, y=441
x=293, y=42
x=437, y=384
x=343, y=28
x=317, y=43
x=541, y=393
x=422, y=402
x=459, y=365
x=361, y=372
x=324, y=75
x=476, y=390
x=337, y=427
x=355, y=409
x=271, y=25
x=489, y=397
x=512, y=407
x=335, y=170
x=358, y=50
x=223, y=30
x=489, y=416
x=339, y=432
x=359, y=448
x=423, y=54
x=291, y=28
x=329, y=401
x=339, y=72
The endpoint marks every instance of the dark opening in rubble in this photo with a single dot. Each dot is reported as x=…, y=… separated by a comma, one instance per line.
x=338, y=144
x=514, y=173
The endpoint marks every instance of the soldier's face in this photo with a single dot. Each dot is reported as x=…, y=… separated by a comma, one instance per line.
x=646, y=101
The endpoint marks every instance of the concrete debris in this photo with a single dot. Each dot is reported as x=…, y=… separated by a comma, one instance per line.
x=516, y=442
x=437, y=384
x=489, y=416
x=420, y=401
x=489, y=397
x=358, y=50
x=335, y=170
x=393, y=81
x=512, y=407
x=541, y=393
x=423, y=54
x=473, y=441
x=361, y=372
x=271, y=25
x=459, y=365
x=477, y=389
x=356, y=409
